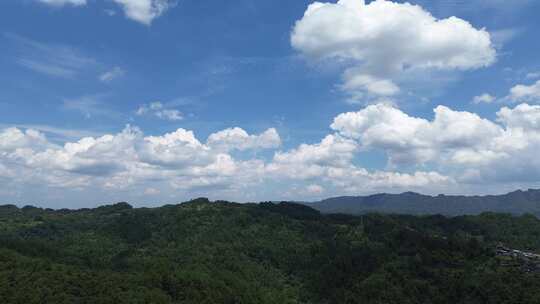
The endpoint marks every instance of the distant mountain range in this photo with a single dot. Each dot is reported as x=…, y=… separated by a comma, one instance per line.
x=517, y=202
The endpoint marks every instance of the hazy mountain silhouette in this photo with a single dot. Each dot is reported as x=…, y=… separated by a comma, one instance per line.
x=517, y=202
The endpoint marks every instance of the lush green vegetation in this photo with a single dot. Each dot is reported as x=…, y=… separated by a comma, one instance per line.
x=202, y=252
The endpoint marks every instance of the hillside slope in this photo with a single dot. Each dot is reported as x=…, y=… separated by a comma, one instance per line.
x=204, y=252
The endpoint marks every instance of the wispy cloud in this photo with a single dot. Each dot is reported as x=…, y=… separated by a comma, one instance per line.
x=55, y=132
x=63, y=2
x=90, y=106
x=533, y=75
x=453, y=7
x=159, y=110
x=50, y=59
x=46, y=68
x=503, y=36
x=484, y=98
x=142, y=11
x=110, y=12
x=112, y=74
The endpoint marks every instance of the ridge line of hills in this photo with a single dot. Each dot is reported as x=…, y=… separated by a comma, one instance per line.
x=516, y=202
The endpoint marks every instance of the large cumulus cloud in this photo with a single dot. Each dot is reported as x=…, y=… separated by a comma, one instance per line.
x=459, y=143
x=378, y=41
x=453, y=151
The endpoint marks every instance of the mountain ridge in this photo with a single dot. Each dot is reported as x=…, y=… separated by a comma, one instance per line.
x=515, y=202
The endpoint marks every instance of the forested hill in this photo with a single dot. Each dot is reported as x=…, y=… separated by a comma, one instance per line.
x=518, y=202
x=204, y=252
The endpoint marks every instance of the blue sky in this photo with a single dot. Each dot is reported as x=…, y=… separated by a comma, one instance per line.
x=85, y=85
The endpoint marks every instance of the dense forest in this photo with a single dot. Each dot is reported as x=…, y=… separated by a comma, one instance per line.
x=221, y=252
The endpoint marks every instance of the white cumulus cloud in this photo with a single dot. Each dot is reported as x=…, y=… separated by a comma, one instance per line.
x=459, y=143
x=144, y=11
x=411, y=139
x=525, y=93
x=523, y=116
x=121, y=160
x=238, y=139
x=380, y=40
x=452, y=151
